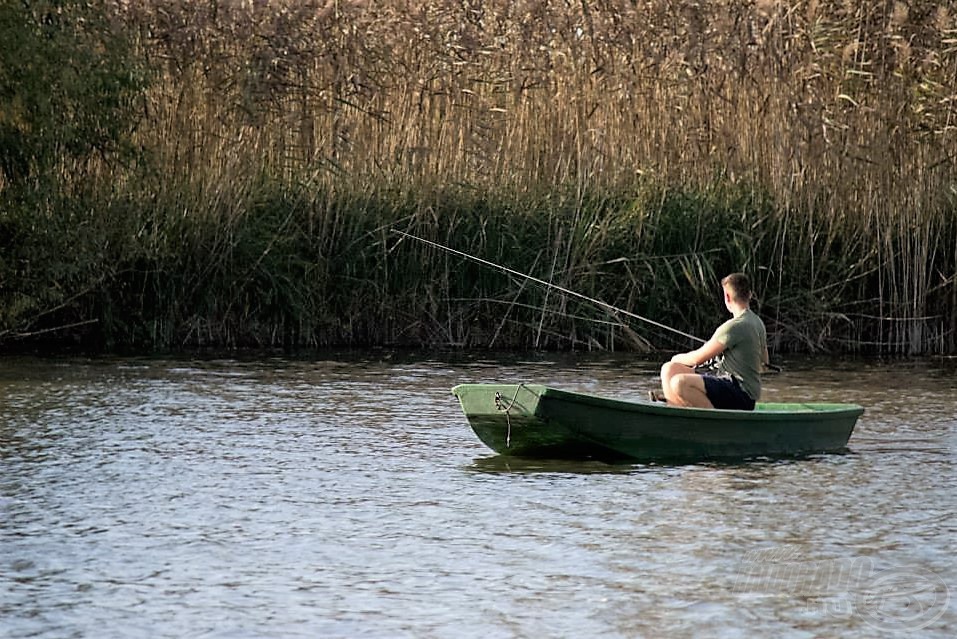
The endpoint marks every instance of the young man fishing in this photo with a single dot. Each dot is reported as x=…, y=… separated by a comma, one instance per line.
x=742, y=344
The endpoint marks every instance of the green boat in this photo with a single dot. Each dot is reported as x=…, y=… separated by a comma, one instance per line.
x=530, y=420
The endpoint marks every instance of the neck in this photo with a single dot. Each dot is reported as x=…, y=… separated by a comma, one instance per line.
x=738, y=309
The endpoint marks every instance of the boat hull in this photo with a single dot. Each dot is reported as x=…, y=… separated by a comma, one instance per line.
x=531, y=420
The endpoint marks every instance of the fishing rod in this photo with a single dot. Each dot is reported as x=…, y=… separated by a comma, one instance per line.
x=567, y=291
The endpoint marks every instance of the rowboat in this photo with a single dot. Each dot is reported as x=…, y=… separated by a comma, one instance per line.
x=531, y=420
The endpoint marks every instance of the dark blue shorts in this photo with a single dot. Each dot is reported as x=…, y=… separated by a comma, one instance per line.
x=726, y=392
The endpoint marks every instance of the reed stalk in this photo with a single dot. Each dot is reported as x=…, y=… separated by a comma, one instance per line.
x=633, y=151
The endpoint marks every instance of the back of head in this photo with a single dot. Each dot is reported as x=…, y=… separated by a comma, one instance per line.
x=739, y=286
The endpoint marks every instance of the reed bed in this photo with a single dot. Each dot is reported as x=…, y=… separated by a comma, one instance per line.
x=632, y=151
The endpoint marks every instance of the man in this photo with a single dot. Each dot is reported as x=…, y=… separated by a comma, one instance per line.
x=742, y=344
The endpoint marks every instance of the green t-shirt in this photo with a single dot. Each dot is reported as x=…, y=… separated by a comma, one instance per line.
x=745, y=341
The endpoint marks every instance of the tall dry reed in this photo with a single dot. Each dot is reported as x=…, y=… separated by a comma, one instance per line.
x=839, y=118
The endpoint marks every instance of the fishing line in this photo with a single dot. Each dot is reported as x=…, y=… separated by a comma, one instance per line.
x=597, y=302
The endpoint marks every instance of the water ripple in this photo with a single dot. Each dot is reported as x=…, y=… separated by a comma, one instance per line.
x=346, y=497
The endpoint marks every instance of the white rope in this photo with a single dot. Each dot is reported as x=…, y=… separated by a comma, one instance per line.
x=508, y=420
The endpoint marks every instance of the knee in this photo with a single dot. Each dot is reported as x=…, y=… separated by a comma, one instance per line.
x=669, y=370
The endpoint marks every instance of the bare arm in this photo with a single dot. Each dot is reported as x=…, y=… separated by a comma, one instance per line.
x=766, y=365
x=709, y=350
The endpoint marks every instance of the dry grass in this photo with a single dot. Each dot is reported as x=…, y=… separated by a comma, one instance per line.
x=842, y=114
x=799, y=97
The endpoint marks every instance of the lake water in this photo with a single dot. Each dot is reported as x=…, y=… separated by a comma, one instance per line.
x=344, y=495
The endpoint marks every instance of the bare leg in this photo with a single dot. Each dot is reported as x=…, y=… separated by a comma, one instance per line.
x=683, y=387
x=691, y=391
x=669, y=371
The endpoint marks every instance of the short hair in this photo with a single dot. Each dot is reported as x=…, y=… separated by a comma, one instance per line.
x=740, y=286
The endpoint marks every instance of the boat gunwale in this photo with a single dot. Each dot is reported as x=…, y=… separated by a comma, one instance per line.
x=764, y=410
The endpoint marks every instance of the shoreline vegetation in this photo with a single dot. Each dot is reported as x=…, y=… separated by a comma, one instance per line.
x=179, y=174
